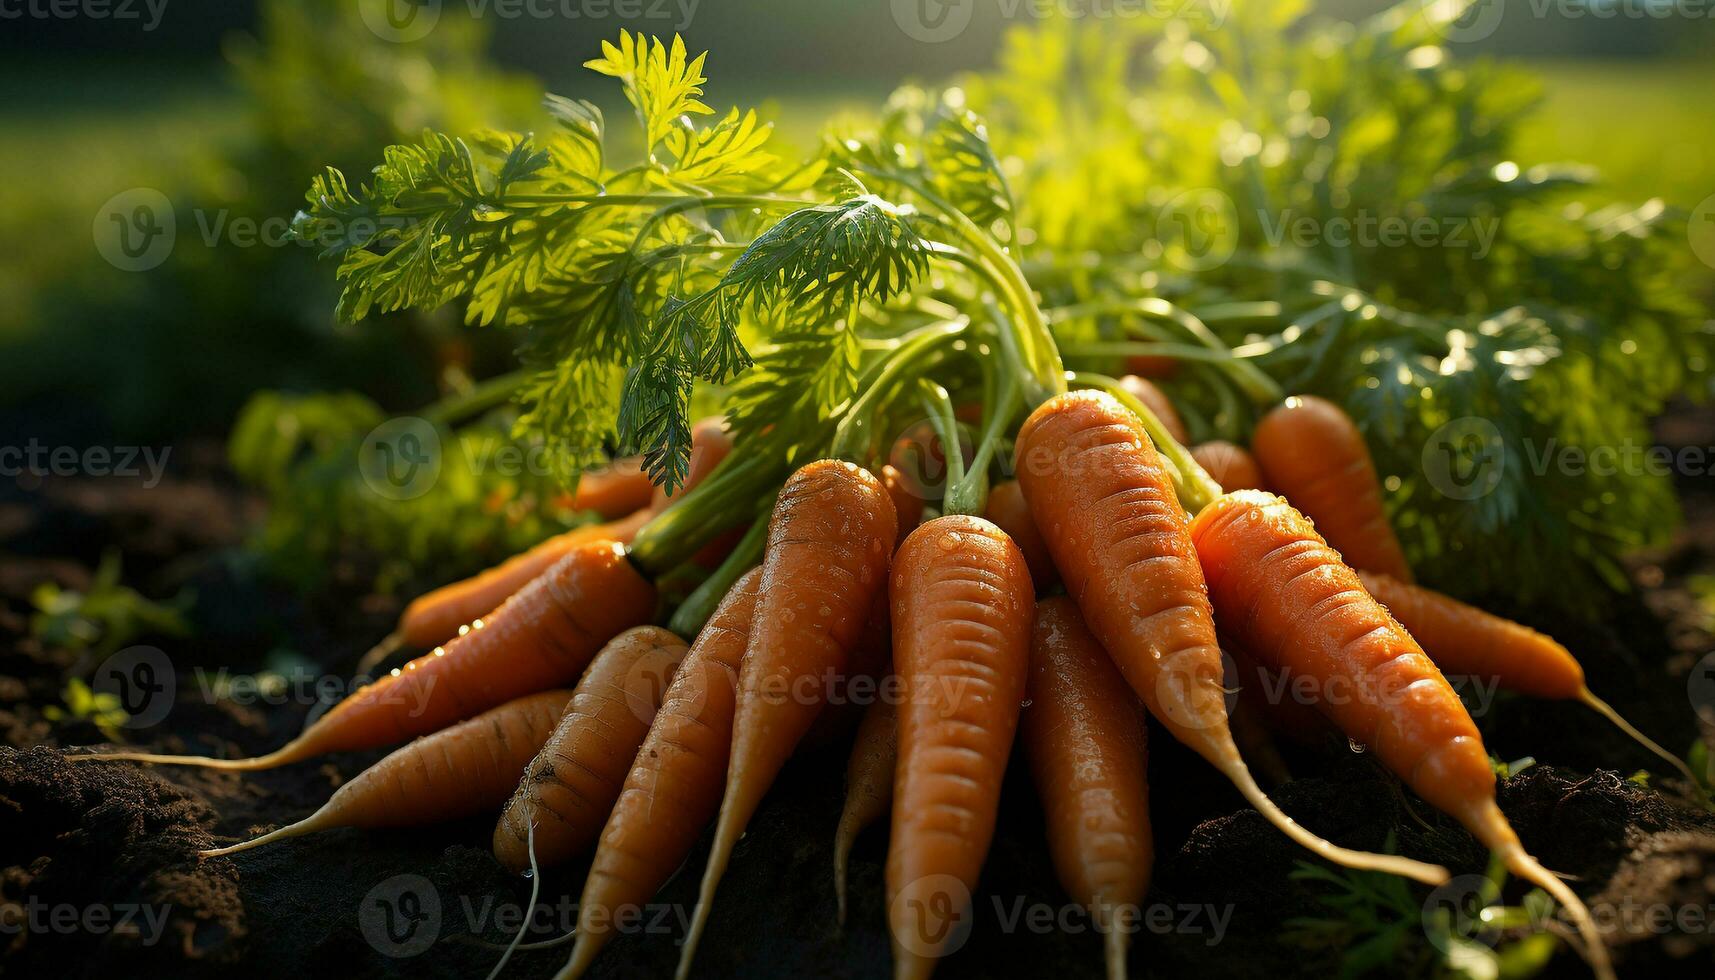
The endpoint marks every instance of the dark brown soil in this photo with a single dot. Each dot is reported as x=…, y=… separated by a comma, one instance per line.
x=98, y=875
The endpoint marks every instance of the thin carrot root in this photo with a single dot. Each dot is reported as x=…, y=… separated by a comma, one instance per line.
x=1520, y=863
x=1607, y=711
x=308, y=825
x=1429, y=874
x=1116, y=940
x=388, y=646
x=293, y=751
x=535, y=889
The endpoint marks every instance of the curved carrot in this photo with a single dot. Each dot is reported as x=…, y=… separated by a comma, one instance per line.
x=1312, y=454
x=962, y=609
x=1231, y=466
x=869, y=786
x=1008, y=510
x=674, y=787
x=1104, y=501
x=435, y=616
x=456, y=772
x=1290, y=600
x=1464, y=640
x=1157, y=401
x=1084, y=736
x=829, y=542
x=570, y=786
x=542, y=637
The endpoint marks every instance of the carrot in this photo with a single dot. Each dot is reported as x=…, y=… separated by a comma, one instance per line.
x=1152, y=366
x=829, y=541
x=869, y=786
x=1084, y=736
x=1464, y=640
x=907, y=504
x=920, y=459
x=1231, y=466
x=1105, y=503
x=456, y=772
x=1145, y=391
x=570, y=786
x=1312, y=454
x=867, y=664
x=540, y=638
x=674, y=786
x=1009, y=511
x=1289, y=599
x=435, y=617
x=962, y=609
x=621, y=488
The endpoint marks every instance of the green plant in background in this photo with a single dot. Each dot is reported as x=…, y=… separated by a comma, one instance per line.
x=83, y=704
x=106, y=616
x=1381, y=927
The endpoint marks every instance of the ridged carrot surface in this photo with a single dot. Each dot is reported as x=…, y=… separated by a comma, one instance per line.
x=829, y=542
x=1104, y=501
x=962, y=610
x=1083, y=734
x=569, y=788
x=674, y=787
x=1289, y=599
x=1312, y=454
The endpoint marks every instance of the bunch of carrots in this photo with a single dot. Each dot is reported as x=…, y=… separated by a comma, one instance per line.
x=1099, y=585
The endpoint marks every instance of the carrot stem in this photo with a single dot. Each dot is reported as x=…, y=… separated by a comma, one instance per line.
x=1607, y=711
x=689, y=618
x=938, y=407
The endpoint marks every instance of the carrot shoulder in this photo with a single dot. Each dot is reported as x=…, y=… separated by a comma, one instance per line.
x=962, y=609
x=1312, y=454
x=1290, y=600
x=1083, y=734
x=569, y=788
x=1104, y=501
x=456, y=772
x=829, y=542
x=674, y=787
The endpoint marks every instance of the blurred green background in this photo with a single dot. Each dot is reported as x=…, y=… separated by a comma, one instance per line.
x=228, y=108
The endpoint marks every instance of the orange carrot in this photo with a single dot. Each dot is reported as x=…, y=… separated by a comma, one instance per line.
x=456, y=772
x=570, y=786
x=435, y=616
x=1466, y=641
x=1083, y=733
x=866, y=665
x=1313, y=455
x=1104, y=501
x=1230, y=466
x=1152, y=366
x=1287, y=597
x=710, y=446
x=674, y=786
x=920, y=459
x=829, y=542
x=620, y=488
x=962, y=609
x=907, y=504
x=1156, y=401
x=540, y=638
x=869, y=786
x=1008, y=510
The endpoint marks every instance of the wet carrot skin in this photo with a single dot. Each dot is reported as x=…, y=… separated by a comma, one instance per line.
x=1286, y=596
x=569, y=788
x=1084, y=735
x=1312, y=453
x=1466, y=641
x=1010, y=512
x=962, y=610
